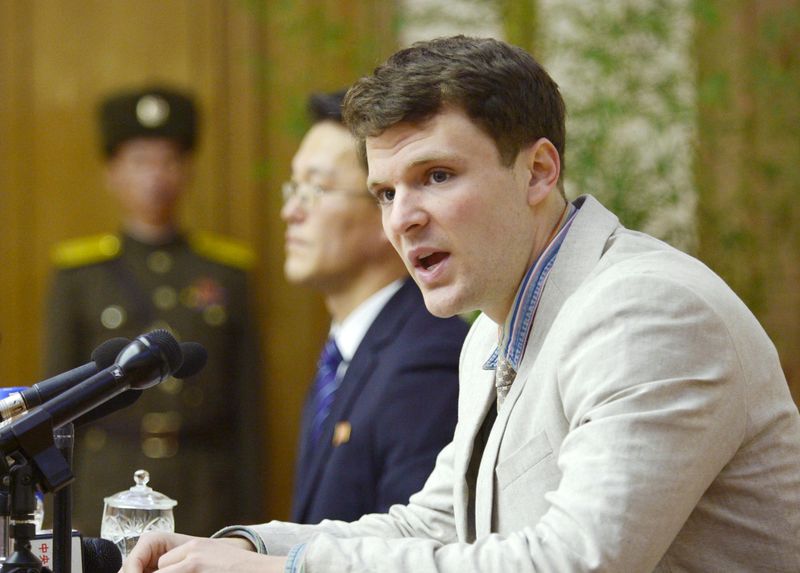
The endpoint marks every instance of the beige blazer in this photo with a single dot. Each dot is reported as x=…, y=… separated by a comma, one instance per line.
x=649, y=428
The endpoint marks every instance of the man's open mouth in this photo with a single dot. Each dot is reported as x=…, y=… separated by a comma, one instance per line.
x=431, y=260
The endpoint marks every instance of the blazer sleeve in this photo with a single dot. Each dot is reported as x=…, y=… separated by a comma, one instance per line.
x=654, y=393
x=428, y=515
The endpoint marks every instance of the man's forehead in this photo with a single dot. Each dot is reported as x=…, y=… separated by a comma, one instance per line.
x=324, y=149
x=385, y=151
x=326, y=136
x=396, y=134
x=149, y=144
x=447, y=123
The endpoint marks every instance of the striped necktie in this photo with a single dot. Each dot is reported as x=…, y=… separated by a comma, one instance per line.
x=326, y=383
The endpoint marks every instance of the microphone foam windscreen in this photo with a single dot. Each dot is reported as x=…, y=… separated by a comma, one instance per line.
x=105, y=354
x=194, y=358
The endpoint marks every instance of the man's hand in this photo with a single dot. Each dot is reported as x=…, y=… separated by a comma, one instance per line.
x=176, y=553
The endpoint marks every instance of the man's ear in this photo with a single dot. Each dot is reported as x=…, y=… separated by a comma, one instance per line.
x=544, y=167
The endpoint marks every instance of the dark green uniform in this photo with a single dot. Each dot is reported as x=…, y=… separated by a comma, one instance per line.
x=198, y=438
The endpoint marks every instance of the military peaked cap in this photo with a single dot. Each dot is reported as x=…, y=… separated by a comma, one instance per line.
x=154, y=112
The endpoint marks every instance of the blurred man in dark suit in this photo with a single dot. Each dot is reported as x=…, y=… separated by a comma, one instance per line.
x=383, y=402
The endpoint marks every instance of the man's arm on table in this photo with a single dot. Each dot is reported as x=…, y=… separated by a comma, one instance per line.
x=174, y=552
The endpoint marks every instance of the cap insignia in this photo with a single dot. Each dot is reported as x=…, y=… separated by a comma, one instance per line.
x=152, y=110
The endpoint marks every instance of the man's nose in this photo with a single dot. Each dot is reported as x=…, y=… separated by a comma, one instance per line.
x=406, y=212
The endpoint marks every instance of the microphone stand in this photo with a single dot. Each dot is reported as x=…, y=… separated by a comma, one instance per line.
x=62, y=505
x=5, y=513
x=30, y=445
x=22, y=491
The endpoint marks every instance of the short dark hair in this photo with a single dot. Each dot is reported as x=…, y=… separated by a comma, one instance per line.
x=326, y=106
x=500, y=87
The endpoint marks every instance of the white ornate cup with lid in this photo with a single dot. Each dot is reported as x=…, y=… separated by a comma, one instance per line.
x=129, y=513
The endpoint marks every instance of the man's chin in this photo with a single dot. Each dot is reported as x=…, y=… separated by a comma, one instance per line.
x=442, y=306
x=296, y=274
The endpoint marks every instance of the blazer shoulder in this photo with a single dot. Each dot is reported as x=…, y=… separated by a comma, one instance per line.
x=84, y=251
x=223, y=250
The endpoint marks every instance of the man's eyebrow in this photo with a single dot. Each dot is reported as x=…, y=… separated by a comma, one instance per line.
x=374, y=185
x=314, y=171
x=436, y=158
x=421, y=161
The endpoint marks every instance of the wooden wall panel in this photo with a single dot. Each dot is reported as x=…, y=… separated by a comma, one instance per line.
x=251, y=64
x=17, y=353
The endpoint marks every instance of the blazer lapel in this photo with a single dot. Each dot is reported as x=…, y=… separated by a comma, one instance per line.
x=580, y=252
x=476, y=401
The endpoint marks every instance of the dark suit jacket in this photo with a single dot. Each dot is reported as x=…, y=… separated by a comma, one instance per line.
x=399, y=397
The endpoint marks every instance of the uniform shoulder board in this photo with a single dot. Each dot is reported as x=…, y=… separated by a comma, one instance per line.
x=85, y=251
x=223, y=250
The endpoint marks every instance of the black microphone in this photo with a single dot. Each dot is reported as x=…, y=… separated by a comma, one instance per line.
x=100, y=556
x=102, y=357
x=194, y=359
x=143, y=363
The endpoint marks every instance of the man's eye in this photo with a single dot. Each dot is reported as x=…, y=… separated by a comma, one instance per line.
x=385, y=196
x=438, y=176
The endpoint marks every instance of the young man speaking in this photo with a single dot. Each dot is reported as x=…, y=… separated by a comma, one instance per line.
x=620, y=409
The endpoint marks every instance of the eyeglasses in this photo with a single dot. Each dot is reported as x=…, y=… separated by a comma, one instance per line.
x=309, y=193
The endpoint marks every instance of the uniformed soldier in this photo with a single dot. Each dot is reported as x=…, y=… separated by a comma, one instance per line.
x=198, y=438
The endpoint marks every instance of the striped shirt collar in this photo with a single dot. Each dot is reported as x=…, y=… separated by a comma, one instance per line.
x=519, y=322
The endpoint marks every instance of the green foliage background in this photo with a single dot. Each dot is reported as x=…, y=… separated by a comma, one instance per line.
x=626, y=77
